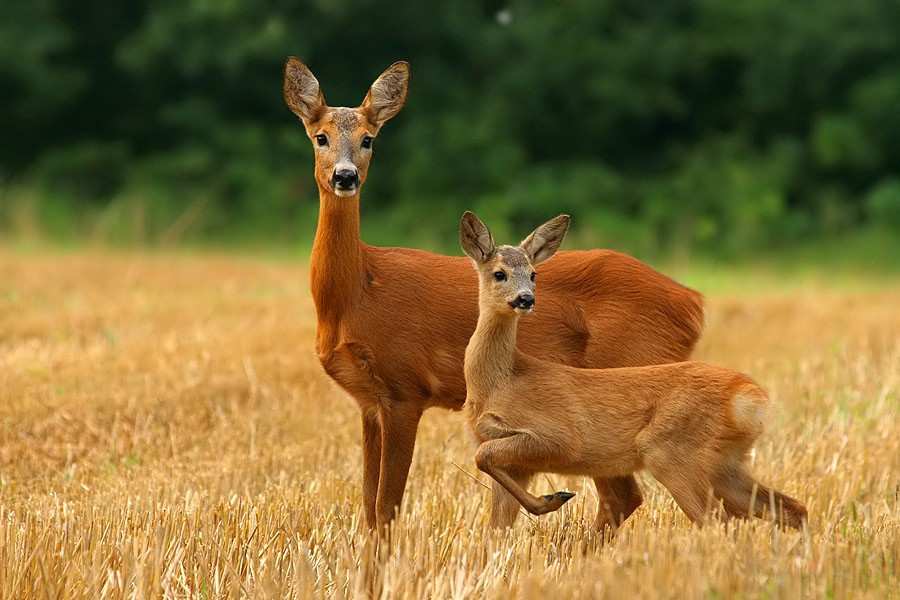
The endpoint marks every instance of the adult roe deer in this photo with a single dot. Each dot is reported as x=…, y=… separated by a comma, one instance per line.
x=690, y=424
x=393, y=323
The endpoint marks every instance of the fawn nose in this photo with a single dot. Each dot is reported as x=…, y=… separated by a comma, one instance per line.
x=523, y=300
x=345, y=179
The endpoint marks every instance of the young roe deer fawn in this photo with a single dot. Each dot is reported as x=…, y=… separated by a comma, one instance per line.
x=392, y=330
x=690, y=424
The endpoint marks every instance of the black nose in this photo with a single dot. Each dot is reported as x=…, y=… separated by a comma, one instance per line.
x=523, y=300
x=345, y=179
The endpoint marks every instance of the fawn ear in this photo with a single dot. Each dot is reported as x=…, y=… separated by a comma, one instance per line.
x=546, y=239
x=388, y=94
x=475, y=238
x=301, y=91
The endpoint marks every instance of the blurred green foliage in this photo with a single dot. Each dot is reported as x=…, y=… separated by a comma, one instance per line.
x=707, y=125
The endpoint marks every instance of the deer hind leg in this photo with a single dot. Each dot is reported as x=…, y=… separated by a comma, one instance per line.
x=619, y=497
x=742, y=496
x=399, y=424
x=504, y=506
x=499, y=457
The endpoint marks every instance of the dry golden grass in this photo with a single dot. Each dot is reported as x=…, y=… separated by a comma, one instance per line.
x=167, y=431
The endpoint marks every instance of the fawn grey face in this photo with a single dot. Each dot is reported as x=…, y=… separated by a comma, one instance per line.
x=511, y=278
x=507, y=273
x=342, y=138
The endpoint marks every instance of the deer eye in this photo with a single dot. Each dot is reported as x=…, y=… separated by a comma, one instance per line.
x=533, y=276
x=499, y=275
x=322, y=139
x=367, y=142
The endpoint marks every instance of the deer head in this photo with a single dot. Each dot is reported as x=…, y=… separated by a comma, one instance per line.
x=507, y=274
x=342, y=137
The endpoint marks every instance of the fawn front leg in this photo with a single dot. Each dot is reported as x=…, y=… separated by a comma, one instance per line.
x=371, y=444
x=504, y=506
x=399, y=424
x=619, y=497
x=497, y=457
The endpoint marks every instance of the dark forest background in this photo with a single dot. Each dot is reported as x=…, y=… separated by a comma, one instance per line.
x=707, y=126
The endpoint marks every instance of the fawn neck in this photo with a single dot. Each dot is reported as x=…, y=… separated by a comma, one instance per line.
x=491, y=352
x=337, y=267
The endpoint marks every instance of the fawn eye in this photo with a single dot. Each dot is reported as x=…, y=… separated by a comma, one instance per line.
x=499, y=275
x=367, y=142
x=322, y=139
x=533, y=275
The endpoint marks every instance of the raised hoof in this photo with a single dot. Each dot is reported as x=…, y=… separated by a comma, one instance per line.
x=554, y=501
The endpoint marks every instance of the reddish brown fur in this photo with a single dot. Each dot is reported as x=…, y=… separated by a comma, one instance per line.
x=393, y=323
x=690, y=424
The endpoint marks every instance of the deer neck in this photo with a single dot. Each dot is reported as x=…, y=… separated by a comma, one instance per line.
x=337, y=268
x=491, y=352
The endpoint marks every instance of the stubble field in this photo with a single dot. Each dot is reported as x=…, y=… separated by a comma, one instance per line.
x=166, y=430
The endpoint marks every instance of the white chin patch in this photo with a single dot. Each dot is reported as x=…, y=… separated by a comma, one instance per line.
x=345, y=193
x=523, y=311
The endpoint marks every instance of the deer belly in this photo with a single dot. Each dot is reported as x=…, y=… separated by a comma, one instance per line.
x=355, y=367
x=352, y=366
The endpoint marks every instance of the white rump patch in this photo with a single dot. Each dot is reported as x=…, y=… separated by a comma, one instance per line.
x=751, y=409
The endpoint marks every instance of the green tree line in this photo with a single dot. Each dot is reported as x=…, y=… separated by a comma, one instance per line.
x=713, y=125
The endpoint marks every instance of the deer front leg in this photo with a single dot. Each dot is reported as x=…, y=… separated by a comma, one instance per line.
x=498, y=457
x=399, y=424
x=371, y=445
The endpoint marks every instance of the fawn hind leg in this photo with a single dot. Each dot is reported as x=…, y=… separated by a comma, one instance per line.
x=504, y=506
x=619, y=497
x=735, y=486
x=687, y=483
x=501, y=457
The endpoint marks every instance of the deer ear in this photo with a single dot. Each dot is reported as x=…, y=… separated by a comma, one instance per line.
x=546, y=239
x=475, y=238
x=388, y=94
x=301, y=91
